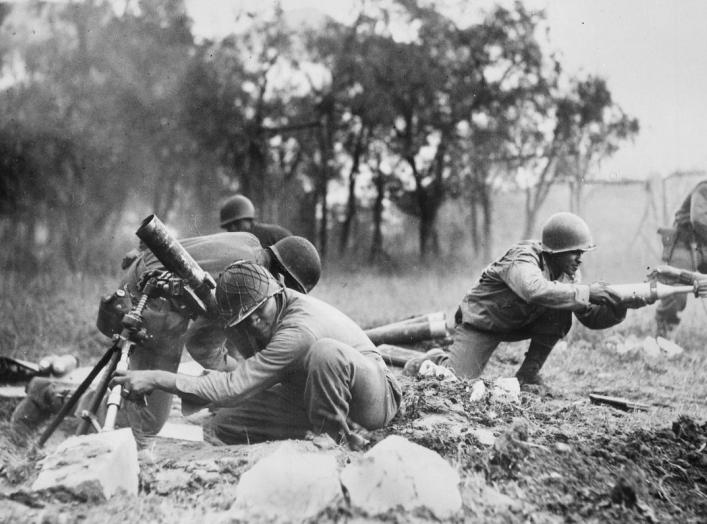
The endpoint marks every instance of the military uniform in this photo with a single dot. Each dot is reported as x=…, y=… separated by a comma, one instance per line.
x=268, y=234
x=318, y=371
x=165, y=324
x=683, y=248
x=517, y=298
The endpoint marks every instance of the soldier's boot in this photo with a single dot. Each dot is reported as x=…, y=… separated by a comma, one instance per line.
x=665, y=329
x=535, y=357
x=45, y=397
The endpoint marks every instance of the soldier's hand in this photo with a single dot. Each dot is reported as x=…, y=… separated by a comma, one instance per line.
x=601, y=294
x=637, y=302
x=135, y=383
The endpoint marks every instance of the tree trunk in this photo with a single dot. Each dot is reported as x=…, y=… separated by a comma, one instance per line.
x=377, y=242
x=351, y=201
x=487, y=209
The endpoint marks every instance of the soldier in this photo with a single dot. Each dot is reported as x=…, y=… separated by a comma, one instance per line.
x=531, y=293
x=238, y=214
x=683, y=248
x=314, y=369
x=293, y=259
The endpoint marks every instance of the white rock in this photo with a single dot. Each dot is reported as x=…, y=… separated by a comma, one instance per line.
x=429, y=369
x=397, y=472
x=632, y=342
x=670, y=348
x=478, y=391
x=506, y=390
x=287, y=486
x=560, y=346
x=92, y=466
x=484, y=436
x=651, y=348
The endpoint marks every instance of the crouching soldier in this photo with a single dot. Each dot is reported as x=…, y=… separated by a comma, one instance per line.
x=531, y=292
x=314, y=369
x=293, y=259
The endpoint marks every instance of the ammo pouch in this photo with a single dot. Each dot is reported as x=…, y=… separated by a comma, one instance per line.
x=111, y=311
x=668, y=237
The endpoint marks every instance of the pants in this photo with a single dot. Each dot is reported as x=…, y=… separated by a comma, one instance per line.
x=339, y=384
x=666, y=314
x=472, y=348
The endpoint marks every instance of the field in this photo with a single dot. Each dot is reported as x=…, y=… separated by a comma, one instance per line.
x=557, y=457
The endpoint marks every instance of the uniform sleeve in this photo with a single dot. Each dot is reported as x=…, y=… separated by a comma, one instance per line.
x=527, y=281
x=257, y=373
x=601, y=317
x=698, y=211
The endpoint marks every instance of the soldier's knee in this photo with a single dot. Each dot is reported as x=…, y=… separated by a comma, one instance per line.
x=326, y=353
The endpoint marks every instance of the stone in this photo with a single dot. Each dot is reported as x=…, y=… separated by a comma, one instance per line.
x=506, y=390
x=670, y=348
x=287, y=486
x=478, y=391
x=397, y=473
x=92, y=467
x=484, y=436
x=429, y=369
x=651, y=347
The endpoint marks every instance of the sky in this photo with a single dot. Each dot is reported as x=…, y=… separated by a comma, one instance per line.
x=651, y=52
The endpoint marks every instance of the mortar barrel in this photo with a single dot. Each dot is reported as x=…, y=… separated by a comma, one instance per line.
x=408, y=332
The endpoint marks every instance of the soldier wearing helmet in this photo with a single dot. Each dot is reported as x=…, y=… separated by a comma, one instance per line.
x=238, y=214
x=683, y=247
x=293, y=260
x=530, y=293
x=314, y=369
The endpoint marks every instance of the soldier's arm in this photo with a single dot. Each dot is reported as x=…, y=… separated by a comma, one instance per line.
x=698, y=210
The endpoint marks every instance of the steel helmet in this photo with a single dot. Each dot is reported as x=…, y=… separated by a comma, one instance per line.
x=242, y=288
x=300, y=261
x=236, y=208
x=566, y=232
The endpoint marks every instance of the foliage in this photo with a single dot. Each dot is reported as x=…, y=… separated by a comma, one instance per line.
x=111, y=112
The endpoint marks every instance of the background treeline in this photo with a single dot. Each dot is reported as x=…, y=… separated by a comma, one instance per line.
x=405, y=118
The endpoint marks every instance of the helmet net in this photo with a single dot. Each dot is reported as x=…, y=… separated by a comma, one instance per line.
x=242, y=288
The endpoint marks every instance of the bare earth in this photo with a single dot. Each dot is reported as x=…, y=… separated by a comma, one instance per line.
x=556, y=456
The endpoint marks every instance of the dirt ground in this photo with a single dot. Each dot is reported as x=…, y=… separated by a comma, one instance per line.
x=556, y=457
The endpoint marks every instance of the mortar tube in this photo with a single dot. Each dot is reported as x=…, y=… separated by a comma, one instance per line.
x=408, y=332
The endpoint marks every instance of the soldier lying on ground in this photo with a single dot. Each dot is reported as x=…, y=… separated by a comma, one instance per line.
x=293, y=259
x=314, y=370
x=531, y=293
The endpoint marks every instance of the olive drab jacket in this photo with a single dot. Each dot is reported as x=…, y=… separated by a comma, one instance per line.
x=518, y=288
x=691, y=216
x=301, y=321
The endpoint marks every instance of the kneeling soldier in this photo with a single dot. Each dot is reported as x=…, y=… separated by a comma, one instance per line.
x=314, y=369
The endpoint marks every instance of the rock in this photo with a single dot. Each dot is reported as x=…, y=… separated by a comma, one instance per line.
x=484, y=436
x=287, y=486
x=92, y=467
x=478, y=391
x=506, y=390
x=670, y=348
x=560, y=346
x=562, y=447
x=398, y=473
x=651, y=348
x=429, y=369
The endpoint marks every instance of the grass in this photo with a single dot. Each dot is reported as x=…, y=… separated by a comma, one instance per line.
x=58, y=314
